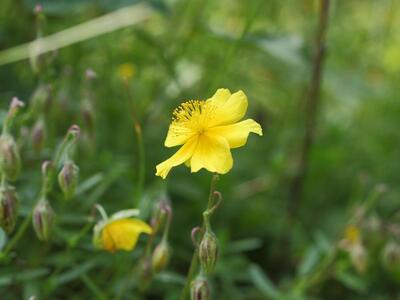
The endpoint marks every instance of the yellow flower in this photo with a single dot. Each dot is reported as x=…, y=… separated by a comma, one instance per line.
x=352, y=234
x=126, y=71
x=208, y=130
x=123, y=234
x=120, y=231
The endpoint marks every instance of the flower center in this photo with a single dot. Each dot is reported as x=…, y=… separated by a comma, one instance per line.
x=193, y=114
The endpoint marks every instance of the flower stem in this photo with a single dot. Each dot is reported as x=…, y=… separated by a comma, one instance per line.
x=206, y=224
x=311, y=112
x=18, y=235
x=140, y=148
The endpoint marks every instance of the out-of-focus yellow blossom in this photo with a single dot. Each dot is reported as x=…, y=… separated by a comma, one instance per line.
x=120, y=232
x=208, y=130
x=352, y=244
x=352, y=234
x=126, y=71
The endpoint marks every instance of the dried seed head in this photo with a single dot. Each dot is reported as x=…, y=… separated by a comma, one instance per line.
x=160, y=257
x=200, y=289
x=10, y=160
x=8, y=208
x=43, y=219
x=68, y=179
x=208, y=252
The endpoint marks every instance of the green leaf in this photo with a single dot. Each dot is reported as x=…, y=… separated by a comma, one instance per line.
x=262, y=282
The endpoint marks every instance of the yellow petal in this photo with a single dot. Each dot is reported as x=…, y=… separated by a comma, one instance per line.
x=178, y=134
x=236, y=134
x=212, y=153
x=182, y=155
x=227, y=108
x=123, y=234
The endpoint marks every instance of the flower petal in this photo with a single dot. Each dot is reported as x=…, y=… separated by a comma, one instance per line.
x=236, y=134
x=178, y=134
x=228, y=108
x=123, y=234
x=182, y=155
x=212, y=153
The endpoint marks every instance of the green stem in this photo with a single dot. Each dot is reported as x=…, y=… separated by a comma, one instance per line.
x=93, y=287
x=140, y=148
x=167, y=225
x=206, y=225
x=18, y=235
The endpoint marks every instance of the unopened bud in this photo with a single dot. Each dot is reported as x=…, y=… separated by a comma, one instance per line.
x=8, y=208
x=43, y=219
x=15, y=106
x=38, y=9
x=200, y=289
x=161, y=256
x=161, y=210
x=68, y=179
x=208, y=251
x=74, y=130
x=38, y=135
x=10, y=160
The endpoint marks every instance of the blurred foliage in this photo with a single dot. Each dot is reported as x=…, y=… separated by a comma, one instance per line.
x=187, y=50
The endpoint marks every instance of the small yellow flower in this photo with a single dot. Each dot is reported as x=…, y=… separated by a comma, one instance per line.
x=126, y=71
x=208, y=130
x=123, y=234
x=120, y=231
x=352, y=234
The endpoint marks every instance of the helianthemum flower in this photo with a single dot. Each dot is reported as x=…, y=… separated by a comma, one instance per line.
x=208, y=130
x=120, y=231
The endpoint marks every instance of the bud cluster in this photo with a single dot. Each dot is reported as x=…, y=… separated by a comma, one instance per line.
x=43, y=214
x=10, y=167
x=207, y=249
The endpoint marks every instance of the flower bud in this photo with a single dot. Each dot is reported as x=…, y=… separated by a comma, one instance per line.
x=8, y=208
x=38, y=135
x=10, y=160
x=208, y=251
x=160, y=212
x=200, y=289
x=68, y=179
x=161, y=256
x=15, y=106
x=43, y=219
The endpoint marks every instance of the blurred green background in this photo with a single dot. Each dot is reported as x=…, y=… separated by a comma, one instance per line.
x=186, y=49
